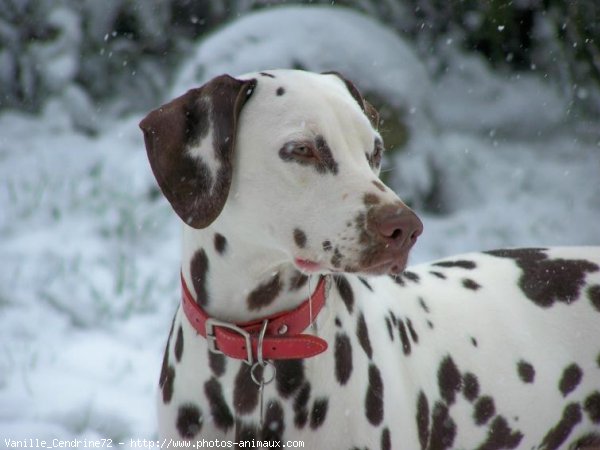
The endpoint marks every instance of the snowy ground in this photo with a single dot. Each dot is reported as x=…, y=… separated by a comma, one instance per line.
x=89, y=249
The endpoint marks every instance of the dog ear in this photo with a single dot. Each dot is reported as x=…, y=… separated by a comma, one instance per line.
x=368, y=109
x=190, y=143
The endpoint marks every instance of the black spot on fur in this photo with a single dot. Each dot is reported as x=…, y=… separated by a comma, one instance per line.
x=362, y=333
x=589, y=441
x=179, y=344
x=167, y=387
x=245, y=431
x=561, y=431
x=398, y=279
x=443, y=428
x=374, y=396
x=318, y=413
x=164, y=367
x=189, y=421
x=165, y=362
x=264, y=294
x=298, y=280
x=440, y=275
x=280, y=91
x=386, y=439
x=411, y=276
x=470, y=386
x=592, y=407
x=265, y=74
x=463, y=264
x=198, y=271
x=423, y=419
x=449, y=380
x=470, y=284
x=388, y=324
x=289, y=376
x=274, y=423
x=366, y=283
x=220, y=243
x=501, y=436
x=219, y=410
x=593, y=293
x=406, y=347
x=413, y=334
x=299, y=238
x=423, y=305
x=327, y=246
x=545, y=281
x=301, y=406
x=474, y=341
x=343, y=358
x=484, y=410
x=245, y=391
x=216, y=362
x=570, y=379
x=338, y=322
x=526, y=371
x=345, y=291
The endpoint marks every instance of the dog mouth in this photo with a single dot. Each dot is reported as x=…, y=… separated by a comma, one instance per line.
x=307, y=265
x=389, y=266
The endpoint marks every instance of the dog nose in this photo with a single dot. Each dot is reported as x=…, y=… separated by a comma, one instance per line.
x=397, y=225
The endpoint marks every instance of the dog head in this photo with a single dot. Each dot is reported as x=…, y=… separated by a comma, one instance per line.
x=289, y=159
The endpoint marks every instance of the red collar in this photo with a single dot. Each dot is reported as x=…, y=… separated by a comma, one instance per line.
x=282, y=339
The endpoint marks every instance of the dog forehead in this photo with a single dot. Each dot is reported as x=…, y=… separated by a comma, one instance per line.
x=295, y=101
x=301, y=78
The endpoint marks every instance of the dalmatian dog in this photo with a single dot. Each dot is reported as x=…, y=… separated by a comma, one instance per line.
x=299, y=320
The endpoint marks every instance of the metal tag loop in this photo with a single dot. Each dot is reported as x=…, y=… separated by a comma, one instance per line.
x=266, y=376
x=261, y=362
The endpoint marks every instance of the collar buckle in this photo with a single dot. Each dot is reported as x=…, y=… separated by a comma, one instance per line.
x=211, y=337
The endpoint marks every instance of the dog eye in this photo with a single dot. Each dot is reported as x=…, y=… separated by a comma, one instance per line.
x=304, y=151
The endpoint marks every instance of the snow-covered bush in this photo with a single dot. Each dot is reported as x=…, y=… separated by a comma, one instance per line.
x=111, y=51
x=40, y=50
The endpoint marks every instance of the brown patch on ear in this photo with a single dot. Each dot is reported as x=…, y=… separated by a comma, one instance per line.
x=372, y=114
x=367, y=108
x=196, y=194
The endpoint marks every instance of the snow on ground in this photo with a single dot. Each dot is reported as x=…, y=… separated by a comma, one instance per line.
x=90, y=251
x=88, y=282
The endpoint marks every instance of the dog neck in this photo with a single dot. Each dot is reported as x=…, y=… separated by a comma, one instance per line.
x=237, y=280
